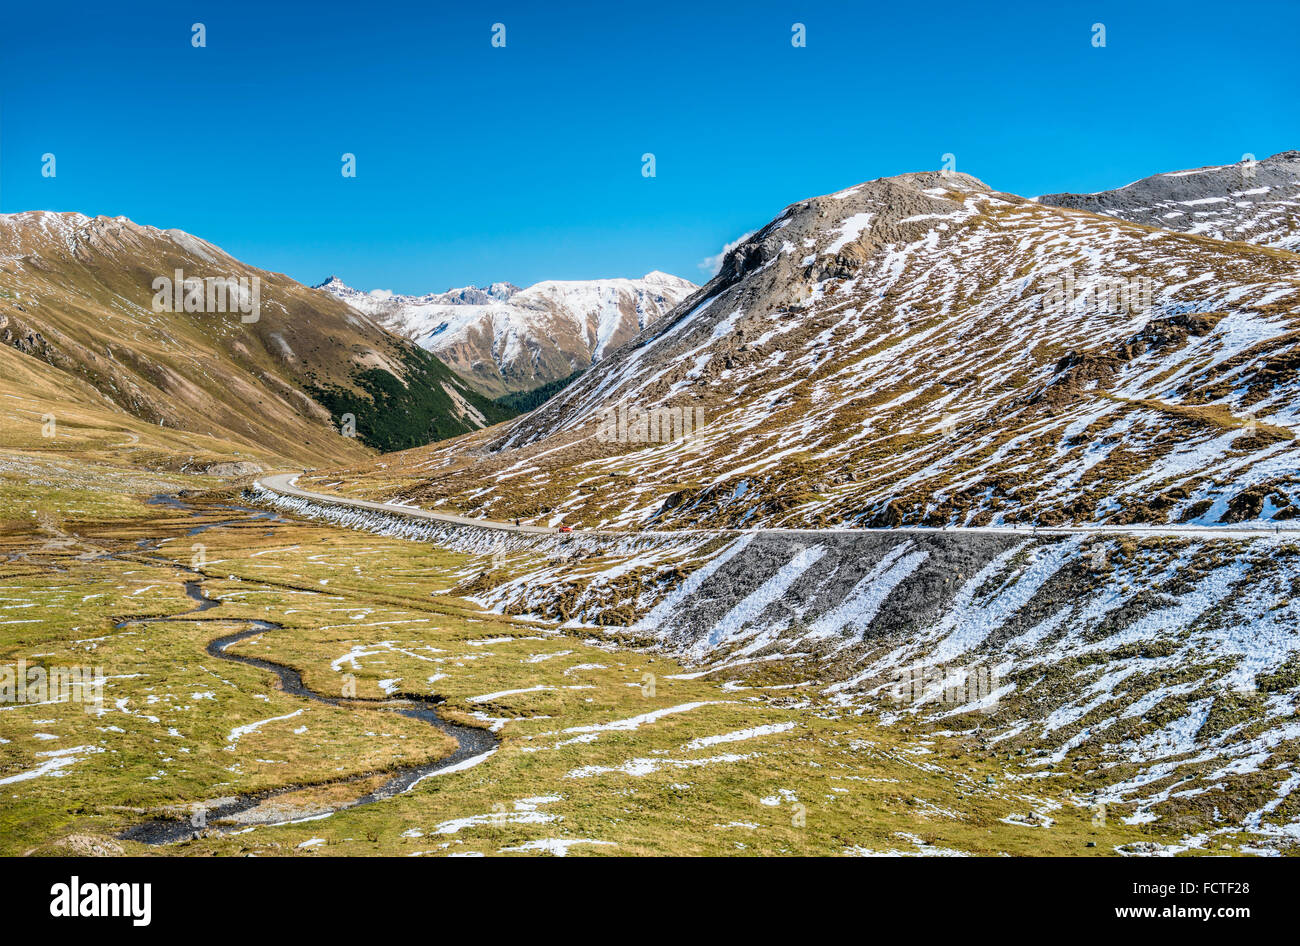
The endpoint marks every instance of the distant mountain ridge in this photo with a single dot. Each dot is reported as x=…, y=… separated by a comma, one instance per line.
x=509, y=340
x=1251, y=201
x=376, y=298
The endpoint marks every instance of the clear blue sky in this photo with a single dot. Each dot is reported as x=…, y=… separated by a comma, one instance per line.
x=524, y=163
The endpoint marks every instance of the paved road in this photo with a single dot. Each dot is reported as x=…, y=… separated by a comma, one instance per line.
x=284, y=484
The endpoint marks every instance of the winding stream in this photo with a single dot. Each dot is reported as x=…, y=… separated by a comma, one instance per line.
x=472, y=743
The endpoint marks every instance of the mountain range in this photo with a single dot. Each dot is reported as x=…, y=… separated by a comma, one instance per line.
x=924, y=350
x=506, y=340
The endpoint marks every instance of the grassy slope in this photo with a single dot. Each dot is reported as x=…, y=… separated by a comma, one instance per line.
x=87, y=425
x=76, y=302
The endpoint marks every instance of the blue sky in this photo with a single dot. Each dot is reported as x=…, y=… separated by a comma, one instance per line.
x=522, y=163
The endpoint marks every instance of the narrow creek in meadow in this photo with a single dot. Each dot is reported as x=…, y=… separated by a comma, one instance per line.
x=473, y=744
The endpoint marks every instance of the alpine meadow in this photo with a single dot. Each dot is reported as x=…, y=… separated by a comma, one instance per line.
x=823, y=448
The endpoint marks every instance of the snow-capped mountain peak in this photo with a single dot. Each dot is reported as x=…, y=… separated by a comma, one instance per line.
x=509, y=339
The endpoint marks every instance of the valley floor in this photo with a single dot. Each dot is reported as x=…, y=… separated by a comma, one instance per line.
x=606, y=745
